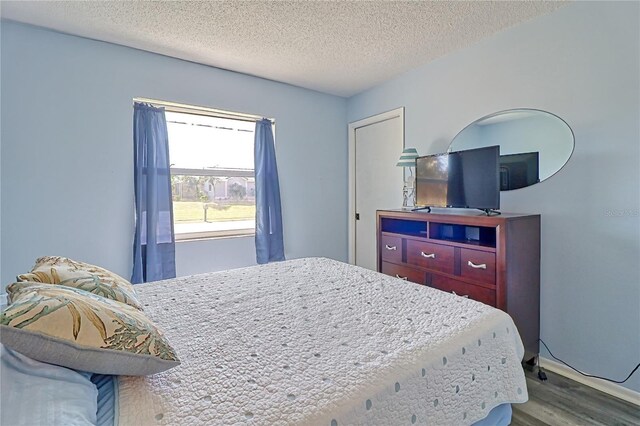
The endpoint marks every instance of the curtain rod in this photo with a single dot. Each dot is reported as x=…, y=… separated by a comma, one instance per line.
x=186, y=108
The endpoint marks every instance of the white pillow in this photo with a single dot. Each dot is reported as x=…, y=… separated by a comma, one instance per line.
x=34, y=393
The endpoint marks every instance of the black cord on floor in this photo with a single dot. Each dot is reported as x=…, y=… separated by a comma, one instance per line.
x=585, y=374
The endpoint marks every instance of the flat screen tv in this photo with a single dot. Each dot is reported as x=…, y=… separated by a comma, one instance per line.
x=519, y=170
x=465, y=179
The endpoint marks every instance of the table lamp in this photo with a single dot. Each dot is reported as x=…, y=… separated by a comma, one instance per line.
x=408, y=160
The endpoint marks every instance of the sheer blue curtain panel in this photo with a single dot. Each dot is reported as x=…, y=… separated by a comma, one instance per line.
x=154, y=244
x=269, y=237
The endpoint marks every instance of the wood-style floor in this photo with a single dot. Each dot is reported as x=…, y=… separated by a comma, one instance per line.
x=560, y=401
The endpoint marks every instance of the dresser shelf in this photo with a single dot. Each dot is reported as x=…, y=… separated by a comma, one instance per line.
x=491, y=259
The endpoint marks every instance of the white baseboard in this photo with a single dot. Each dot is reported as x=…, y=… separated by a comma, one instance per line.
x=610, y=388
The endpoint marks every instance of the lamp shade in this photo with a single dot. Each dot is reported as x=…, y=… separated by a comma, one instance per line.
x=408, y=158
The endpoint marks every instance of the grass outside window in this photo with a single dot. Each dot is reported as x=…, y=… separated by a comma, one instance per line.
x=193, y=212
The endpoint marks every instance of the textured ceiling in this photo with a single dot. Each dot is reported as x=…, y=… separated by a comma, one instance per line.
x=336, y=47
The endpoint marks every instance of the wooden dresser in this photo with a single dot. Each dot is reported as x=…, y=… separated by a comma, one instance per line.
x=491, y=259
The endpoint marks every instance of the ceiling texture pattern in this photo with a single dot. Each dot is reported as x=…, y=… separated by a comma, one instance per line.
x=335, y=47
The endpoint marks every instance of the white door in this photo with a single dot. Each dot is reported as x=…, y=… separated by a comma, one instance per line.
x=376, y=145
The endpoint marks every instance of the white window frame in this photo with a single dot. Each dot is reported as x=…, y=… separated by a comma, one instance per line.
x=211, y=112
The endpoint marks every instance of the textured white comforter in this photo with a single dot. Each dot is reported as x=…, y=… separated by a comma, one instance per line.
x=315, y=341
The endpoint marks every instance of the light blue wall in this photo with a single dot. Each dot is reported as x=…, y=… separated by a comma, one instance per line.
x=67, y=154
x=581, y=63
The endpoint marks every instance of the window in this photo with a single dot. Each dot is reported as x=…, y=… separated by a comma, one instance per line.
x=212, y=172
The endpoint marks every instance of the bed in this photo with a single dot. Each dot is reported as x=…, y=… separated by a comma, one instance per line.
x=315, y=341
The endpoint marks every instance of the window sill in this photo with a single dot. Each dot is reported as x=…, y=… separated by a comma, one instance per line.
x=214, y=229
x=199, y=236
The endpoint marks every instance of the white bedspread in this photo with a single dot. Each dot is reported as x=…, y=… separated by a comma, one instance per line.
x=315, y=341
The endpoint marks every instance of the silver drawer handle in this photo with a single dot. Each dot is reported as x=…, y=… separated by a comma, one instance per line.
x=402, y=278
x=429, y=256
x=388, y=247
x=466, y=296
x=474, y=266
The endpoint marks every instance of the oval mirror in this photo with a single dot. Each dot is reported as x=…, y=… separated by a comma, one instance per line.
x=534, y=144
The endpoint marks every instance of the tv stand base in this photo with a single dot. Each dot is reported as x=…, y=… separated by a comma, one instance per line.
x=490, y=212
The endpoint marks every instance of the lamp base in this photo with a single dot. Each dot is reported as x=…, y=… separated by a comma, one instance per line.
x=408, y=197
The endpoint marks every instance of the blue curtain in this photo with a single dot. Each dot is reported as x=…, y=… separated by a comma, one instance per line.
x=269, y=242
x=153, y=246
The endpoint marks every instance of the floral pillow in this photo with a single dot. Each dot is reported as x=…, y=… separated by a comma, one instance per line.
x=76, y=329
x=94, y=279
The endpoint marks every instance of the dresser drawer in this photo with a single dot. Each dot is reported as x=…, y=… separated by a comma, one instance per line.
x=437, y=257
x=478, y=265
x=460, y=288
x=403, y=272
x=391, y=248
